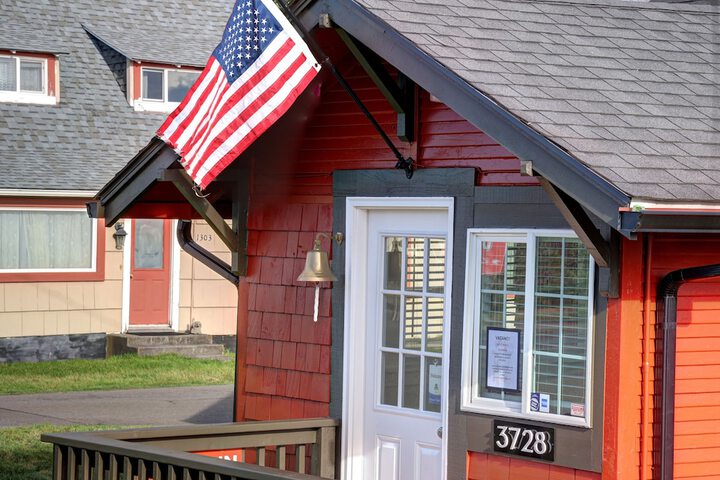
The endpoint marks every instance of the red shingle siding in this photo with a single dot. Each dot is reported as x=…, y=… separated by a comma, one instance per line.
x=288, y=355
x=482, y=466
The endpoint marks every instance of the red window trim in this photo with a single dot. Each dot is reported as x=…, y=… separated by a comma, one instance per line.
x=136, y=72
x=50, y=75
x=96, y=276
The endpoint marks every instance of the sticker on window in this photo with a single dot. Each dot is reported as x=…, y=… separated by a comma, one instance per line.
x=540, y=402
x=434, y=383
x=577, y=409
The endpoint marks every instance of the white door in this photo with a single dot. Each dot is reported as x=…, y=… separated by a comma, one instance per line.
x=397, y=376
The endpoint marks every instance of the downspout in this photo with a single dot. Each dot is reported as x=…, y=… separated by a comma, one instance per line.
x=184, y=237
x=667, y=314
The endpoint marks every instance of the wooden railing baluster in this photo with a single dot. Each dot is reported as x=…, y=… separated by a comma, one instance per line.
x=59, y=463
x=300, y=458
x=281, y=457
x=261, y=456
x=156, y=472
x=113, y=468
x=71, y=464
x=99, y=472
x=171, y=474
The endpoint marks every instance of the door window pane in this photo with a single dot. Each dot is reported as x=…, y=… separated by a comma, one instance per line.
x=393, y=263
x=31, y=76
x=179, y=84
x=148, y=244
x=436, y=270
x=391, y=321
x=8, y=74
x=389, y=379
x=413, y=325
x=434, y=328
x=415, y=276
x=411, y=381
x=45, y=240
x=152, y=84
x=433, y=384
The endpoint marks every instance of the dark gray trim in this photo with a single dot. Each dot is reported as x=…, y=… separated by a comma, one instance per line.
x=669, y=221
x=552, y=162
x=518, y=207
x=52, y=347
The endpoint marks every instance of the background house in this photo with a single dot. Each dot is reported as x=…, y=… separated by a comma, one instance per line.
x=83, y=86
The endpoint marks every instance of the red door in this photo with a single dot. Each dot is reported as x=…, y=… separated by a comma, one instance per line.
x=150, y=273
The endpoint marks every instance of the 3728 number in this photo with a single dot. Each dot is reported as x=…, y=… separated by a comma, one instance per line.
x=524, y=440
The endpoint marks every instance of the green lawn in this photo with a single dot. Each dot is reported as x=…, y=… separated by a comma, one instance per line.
x=120, y=372
x=24, y=457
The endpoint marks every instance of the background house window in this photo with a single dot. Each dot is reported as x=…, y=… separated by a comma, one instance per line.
x=538, y=286
x=27, y=79
x=166, y=85
x=45, y=240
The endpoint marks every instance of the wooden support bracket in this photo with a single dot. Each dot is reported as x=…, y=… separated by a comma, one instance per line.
x=184, y=184
x=580, y=222
x=400, y=95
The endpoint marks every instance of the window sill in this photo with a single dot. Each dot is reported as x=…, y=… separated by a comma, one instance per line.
x=52, y=276
x=533, y=417
x=24, y=97
x=156, y=107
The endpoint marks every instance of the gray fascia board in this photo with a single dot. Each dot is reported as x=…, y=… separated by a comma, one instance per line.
x=549, y=160
x=669, y=222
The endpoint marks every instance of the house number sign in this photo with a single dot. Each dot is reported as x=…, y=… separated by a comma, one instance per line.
x=524, y=440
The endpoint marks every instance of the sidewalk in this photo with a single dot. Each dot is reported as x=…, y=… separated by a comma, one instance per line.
x=150, y=406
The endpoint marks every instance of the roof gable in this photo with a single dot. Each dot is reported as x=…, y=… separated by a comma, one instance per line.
x=629, y=89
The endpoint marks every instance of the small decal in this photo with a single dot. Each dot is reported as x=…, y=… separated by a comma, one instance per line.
x=577, y=409
x=434, y=384
x=539, y=402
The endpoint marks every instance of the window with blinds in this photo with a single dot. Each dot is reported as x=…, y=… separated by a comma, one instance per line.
x=537, y=285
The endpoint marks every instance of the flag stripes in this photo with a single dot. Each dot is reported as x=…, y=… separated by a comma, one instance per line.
x=220, y=117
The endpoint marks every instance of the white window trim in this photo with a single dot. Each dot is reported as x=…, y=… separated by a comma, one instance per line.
x=476, y=404
x=24, y=96
x=143, y=104
x=94, y=244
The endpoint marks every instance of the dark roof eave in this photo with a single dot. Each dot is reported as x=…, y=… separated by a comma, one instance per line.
x=549, y=160
x=669, y=221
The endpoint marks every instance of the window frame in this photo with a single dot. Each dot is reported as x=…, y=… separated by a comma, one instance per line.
x=43, y=97
x=472, y=402
x=96, y=272
x=142, y=103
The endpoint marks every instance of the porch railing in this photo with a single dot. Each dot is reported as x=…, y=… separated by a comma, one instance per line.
x=270, y=450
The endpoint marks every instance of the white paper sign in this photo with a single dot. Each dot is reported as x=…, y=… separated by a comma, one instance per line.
x=503, y=348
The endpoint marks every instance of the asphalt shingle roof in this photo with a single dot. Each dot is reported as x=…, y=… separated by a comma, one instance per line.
x=630, y=89
x=93, y=132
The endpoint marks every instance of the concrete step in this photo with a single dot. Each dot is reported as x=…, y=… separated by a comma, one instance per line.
x=198, y=346
x=194, y=351
x=156, y=340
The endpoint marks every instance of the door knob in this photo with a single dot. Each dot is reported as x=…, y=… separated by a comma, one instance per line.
x=439, y=432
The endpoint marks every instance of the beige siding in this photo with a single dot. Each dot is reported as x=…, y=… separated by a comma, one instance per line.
x=56, y=308
x=204, y=295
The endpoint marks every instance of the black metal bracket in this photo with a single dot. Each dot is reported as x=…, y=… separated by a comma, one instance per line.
x=234, y=237
x=406, y=164
x=400, y=94
x=184, y=236
x=580, y=222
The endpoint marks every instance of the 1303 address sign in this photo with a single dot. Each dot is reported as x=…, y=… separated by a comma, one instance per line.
x=524, y=440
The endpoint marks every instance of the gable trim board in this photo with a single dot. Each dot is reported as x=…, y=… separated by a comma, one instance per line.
x=549, y=160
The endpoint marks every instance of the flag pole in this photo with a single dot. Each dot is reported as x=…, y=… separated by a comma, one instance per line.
x=406, y=164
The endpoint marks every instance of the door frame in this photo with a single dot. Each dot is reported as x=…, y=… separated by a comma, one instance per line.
x=174, y=293
x=356, y=227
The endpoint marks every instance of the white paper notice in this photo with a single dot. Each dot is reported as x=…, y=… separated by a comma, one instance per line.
x=502, y=358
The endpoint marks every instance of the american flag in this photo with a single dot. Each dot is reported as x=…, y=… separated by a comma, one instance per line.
x=252, y=78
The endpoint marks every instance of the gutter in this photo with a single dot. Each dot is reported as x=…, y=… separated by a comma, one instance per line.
x=667, y=291
x=184, y=237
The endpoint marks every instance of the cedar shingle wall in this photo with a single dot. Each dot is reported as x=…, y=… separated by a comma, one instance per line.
x=481, y=466
x=287, y=355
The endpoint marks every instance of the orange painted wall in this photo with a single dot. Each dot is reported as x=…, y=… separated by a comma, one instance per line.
x=481, y=466
x=634, y=363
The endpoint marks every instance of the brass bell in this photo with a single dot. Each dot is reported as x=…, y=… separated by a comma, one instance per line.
x=317, y=266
